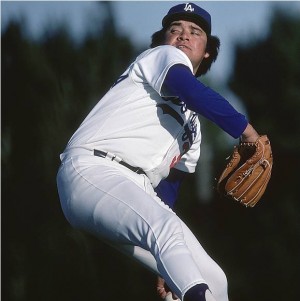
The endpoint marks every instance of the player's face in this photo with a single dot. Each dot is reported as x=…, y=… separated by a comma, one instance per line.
x=190, y=38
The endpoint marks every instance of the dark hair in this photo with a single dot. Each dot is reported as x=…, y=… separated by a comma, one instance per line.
x=212, y=47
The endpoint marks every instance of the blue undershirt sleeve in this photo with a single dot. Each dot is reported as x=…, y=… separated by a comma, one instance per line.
x=167, y=191
x=201, y=99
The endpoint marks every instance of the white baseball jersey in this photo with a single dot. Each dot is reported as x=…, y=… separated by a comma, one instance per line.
x=140, y=123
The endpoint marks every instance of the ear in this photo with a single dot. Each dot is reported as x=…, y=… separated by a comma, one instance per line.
x=206, y=55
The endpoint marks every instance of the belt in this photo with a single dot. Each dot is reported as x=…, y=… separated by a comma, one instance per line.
x=113, y=157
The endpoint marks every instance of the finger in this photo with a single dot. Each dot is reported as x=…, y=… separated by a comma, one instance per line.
x=160, y=287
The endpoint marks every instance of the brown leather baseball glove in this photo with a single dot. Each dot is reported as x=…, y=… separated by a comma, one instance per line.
x=248, y=172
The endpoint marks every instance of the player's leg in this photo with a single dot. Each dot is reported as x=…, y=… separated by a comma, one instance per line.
x=211, y=272
x=115, y=204
x=137, y=253
x=198, y=292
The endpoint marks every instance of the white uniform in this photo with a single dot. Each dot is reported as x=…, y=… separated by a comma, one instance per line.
x=136, y=124
x=140, y=124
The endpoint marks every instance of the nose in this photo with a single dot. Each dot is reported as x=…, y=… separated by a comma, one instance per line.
x=183, y=35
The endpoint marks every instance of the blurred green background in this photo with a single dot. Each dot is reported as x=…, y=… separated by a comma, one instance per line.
x=50, y=84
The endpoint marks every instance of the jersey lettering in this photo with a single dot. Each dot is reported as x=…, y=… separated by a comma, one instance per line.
x=190, y=132
x=175, y=160
x=176, y=101
x=170, y=111
x=189, y=129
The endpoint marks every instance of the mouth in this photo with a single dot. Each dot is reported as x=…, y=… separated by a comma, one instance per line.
x=183, y=47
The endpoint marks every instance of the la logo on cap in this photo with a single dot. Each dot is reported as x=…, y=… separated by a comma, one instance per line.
x=188, y=7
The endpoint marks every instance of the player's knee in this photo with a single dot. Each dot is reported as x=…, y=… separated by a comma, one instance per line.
x=219, y=286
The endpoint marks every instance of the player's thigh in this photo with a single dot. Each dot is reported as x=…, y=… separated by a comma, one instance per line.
x=129, y=214
x=110, y=201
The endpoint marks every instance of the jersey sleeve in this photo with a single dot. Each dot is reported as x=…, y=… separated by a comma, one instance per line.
x=203, y=100
x=152, y=66
x=167, y=191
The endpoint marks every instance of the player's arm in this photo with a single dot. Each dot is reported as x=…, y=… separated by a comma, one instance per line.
x=199, y=98
x=167, y=190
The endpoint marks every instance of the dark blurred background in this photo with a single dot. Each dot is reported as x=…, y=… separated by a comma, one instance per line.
x=49, y=85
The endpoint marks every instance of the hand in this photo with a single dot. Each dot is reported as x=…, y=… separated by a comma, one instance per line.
x=163, y=290
x=249, y=134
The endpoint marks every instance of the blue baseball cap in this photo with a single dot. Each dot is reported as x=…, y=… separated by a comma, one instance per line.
x=189, y=12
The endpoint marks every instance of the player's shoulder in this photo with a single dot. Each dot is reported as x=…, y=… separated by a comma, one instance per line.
x=165, y=53
x=165, y=50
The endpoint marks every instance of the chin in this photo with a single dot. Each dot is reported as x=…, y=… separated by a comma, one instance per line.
x=185, y=50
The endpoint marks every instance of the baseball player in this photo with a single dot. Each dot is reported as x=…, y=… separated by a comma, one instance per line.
x=122, y=168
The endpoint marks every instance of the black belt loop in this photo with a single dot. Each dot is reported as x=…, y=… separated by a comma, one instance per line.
x=99, y=153
x=103, y=154
x=134, y=169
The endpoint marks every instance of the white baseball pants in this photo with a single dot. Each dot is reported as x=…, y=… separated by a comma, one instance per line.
x=119, y=206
